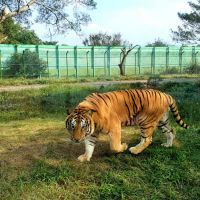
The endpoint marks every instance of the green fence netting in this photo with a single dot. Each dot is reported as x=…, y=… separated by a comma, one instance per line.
x=94, y=61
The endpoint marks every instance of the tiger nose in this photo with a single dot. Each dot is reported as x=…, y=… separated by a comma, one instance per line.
x=76, y=140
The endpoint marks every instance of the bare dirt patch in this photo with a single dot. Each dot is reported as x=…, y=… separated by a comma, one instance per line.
x=21, y=87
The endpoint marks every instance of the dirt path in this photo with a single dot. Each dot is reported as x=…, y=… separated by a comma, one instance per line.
x=100, y=83
x=38, y=86
x=21, y=87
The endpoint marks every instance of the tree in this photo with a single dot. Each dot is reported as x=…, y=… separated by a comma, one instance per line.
x=51, y=12
x=157, y=43
x=190, y=29
x=104, y=39
x=124, y=53
x=49, y=42
x=13, y=33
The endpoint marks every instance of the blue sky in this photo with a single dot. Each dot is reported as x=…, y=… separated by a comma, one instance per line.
x=139, y=21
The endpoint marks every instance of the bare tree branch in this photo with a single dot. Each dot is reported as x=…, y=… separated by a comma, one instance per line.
x=53, y=11
x=50, y=12
x=6, y=13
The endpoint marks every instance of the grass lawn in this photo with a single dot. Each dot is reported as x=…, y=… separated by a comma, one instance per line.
x=38, y=161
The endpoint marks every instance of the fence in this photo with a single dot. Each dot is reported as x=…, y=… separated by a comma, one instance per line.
x=83, y=61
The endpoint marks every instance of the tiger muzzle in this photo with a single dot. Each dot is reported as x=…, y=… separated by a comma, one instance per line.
x=78, y=139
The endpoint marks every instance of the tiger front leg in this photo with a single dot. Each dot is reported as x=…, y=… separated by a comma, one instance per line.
x=89, y=149
x=115, y=141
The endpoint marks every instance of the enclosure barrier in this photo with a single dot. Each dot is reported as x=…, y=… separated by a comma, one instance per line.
x=94, y=61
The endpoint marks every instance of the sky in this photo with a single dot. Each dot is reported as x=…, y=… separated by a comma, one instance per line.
x=139, y=21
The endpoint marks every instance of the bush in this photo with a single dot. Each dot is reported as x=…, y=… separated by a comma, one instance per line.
x=26, y=64
x=193, y=69
x=153, y=81
x=172, y=70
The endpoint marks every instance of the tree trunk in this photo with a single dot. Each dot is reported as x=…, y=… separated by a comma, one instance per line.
x=122, y=62
x=121, y=69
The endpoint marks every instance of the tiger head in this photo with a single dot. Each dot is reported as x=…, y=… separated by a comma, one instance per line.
x=80, y=124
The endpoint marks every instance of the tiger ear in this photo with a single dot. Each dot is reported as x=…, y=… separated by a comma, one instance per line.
x=69, y=111
x=90, y=112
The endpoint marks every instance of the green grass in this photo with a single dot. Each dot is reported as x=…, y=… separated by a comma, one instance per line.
x=38, y=162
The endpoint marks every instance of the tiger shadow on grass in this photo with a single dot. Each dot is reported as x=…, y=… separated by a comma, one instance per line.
x=55, y=147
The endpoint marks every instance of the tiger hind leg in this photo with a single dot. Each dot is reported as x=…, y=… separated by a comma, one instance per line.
x=167, y=130
x=146, y=140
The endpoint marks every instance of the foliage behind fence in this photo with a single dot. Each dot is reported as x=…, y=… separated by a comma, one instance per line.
x=83, y=61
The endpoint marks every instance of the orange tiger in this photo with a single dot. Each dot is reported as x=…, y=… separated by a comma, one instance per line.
x=107, y=112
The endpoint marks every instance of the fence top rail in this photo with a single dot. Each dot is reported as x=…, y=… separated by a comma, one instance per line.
x=98, y=47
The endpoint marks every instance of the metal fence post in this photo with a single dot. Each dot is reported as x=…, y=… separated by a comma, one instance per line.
x=87, y=62
x=120, y=57
x=153, y=61
x=167, y=59
x=38, y=53
x=193, y=55
x=16, y=48
x=1, y=66
x=195, y=62
x=105, y=62
x=108, y=61
x=23, y=63
x=57, y=61
x=92, y=60
x=37, y=50
x=67, y=66
x=47, y=54
x=135, y=63
x=181, y=58
x=75, y=61
x=139, y=58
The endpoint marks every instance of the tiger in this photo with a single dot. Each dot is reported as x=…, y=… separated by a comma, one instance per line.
x=108, y=112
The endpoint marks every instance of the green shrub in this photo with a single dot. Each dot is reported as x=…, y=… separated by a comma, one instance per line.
x=193, y=69
x=153, y=81
x=172, y=70
x=26, y=64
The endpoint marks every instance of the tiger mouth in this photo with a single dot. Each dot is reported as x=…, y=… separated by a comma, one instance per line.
x=77, y=140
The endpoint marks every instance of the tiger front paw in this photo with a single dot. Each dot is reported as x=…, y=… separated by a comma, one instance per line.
x=83, y=158
x=124, y=147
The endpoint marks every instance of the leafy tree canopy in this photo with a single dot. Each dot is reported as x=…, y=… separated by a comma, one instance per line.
x=13, y=33
x=104, y=39
x=55, y=13
x=157, y=43
x=189, y=31
x=49, y=42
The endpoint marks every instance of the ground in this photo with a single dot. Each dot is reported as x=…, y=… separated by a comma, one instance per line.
x=38, y=161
